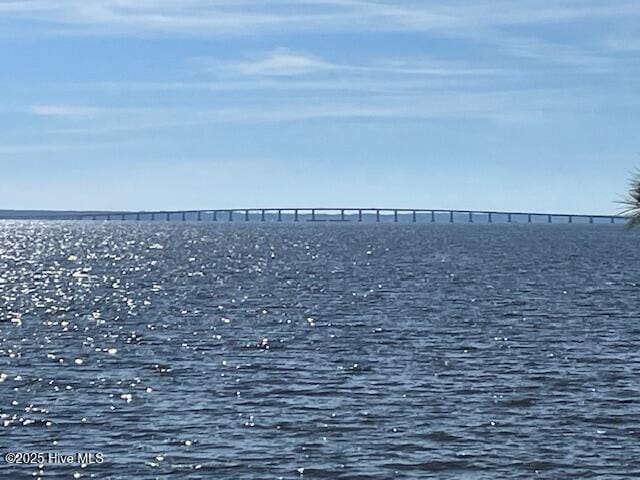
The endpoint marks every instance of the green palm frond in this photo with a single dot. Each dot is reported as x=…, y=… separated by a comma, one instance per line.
x=631, y=202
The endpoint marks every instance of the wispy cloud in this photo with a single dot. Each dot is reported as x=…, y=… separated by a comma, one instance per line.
x=509, y=106
x=29, y=148
x=549, y=53
x=283, y=62
x=480, y=22
x=64, y=111
x=327, y=15
x=286, y=63
x=359, y=84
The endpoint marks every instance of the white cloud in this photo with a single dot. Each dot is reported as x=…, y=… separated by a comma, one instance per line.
x=284, y=62
x=548, y=52
x=29, y=148
x=481, y=22
x=65, y=111
x=211, y=17
x=508, y=106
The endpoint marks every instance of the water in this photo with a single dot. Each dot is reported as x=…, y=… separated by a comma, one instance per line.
x=321, y=351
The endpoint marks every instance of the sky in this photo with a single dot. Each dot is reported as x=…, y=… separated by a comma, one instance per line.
x=524, y=105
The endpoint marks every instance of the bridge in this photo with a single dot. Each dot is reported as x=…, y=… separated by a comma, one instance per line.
x=359, y=215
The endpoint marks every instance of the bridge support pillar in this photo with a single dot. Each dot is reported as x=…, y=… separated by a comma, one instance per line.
x=246, y=215
x=124, y=217
x=295, y=216
x=470, y=217
x=215, y=216
x=548, y=218
x=168, y=217
x=138, y=217
x=451, y=217
x=262, y=215
x=490, y=218
x=359, y=215
x=313, y=215
x=590, y=219
x=433, y=216
x=184, y=216
x=279, y=215
x=199, y=216
x=153, y=217
x=509, y=217
x=395, y=216
x=378, y=216
x=570, y=218
x=231, y=215
x=613, y=220
x=342, y=215
x=529, y=218
x=414, y=217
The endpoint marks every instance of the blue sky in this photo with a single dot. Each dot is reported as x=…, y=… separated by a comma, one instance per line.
x=170, y=104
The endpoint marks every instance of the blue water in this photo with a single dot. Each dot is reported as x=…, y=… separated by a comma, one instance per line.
x=321, y=351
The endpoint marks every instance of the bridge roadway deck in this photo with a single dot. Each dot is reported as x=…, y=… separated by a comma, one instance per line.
x=324, y=214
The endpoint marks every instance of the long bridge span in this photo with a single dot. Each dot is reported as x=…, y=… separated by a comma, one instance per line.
x=322, y=214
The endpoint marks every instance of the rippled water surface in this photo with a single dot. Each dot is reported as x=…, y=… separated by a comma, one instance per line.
x=321, y=351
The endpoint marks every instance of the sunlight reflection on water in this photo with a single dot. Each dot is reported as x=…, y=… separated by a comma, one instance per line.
x=328, y=351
